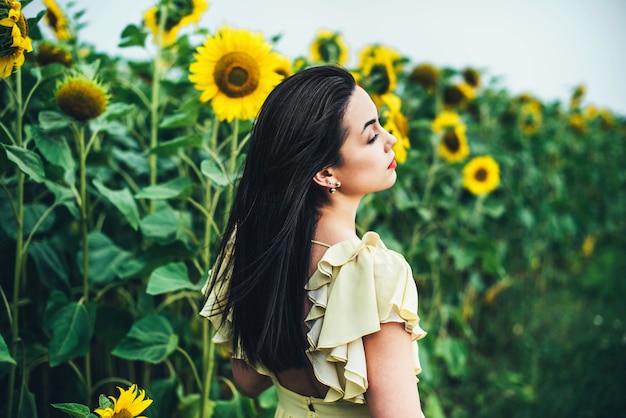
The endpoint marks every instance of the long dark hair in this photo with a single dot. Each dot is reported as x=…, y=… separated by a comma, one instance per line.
x=299, y=131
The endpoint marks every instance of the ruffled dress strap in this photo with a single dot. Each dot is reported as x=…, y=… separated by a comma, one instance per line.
x=358, y=285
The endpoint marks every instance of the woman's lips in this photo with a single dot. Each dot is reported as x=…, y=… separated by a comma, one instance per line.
x=392, y=165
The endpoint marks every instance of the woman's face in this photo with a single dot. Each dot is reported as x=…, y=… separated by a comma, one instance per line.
x=368, y=161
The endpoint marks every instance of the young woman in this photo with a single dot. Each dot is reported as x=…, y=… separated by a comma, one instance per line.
x=327, y=317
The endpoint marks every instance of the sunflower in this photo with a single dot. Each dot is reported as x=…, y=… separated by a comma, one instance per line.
x=284, y=67
x=57, y=21
x=329, y=47
x=397, y=125
x=179, y=13
x=81, y=97
x=378, y=69
x=453, y=145
x=458, y=94
x=606, y=119
x=471, y=77
x=14, y=38
x=427, y=75
x=130, y=404
x=577, y=122
x=48, y=53
x=530, y=118
x=235, y=69
x=588, y=246
x=591, y=112
x=481, y=175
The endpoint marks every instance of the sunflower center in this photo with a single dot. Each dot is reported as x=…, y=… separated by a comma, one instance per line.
x=451, y=141
x=237, y=74
x=124, y=413
x=380, y=79
x=481, y=174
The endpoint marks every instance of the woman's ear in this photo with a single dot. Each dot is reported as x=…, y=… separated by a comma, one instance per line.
x=324, y=178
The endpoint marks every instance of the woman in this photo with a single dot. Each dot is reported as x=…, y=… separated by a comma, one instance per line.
x=326, y=316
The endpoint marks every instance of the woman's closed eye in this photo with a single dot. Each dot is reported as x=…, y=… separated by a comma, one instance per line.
x=373, y=139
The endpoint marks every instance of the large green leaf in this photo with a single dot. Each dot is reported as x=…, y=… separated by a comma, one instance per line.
x=50, y=120
x=180, y=186
x=71, y=328
x=454, y=353
x=24, y=401
x=132, y=35
x=5, y=356
x=173, y=146
x=107, y=261
x=213, y=171
x=53, y=271
x=27, y=161
x=32, y=214
x=170, y=278
x=150, y=339
x=166, y=398
x=73, y=409
x=164, y=226
x=53, y=147
x=123, y=200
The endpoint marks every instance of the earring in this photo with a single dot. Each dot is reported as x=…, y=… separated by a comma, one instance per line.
x=334, y=189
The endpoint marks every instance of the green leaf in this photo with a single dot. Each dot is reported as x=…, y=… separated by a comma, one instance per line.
x=185, y=117
x=107, y=261
x=71, y=328
x=123, y=200
x=51, y=70
x=5, y=355
x=54, y=148
x=454, y=353
x=493, y=209
x=73, y=409
x=150, y=339
x=165, y=391
x=50, y=120
x=27, y=161
x=104, y=402
x=168, y=190
x=53, y=272
x=164, y=226
x=25, y=402
x=463, y=256
x=171, y=147
x=212, y=170
x=170, y=278
x=132, y=36
x=116, y=110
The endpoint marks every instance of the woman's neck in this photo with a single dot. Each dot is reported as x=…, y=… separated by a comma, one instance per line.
x=337, y=221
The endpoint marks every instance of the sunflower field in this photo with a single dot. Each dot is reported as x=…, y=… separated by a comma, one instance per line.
x=117, y=175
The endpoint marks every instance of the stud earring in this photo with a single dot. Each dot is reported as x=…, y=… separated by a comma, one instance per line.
x=336, y=185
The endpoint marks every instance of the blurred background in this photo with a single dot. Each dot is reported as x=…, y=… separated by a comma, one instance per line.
x=545, y=48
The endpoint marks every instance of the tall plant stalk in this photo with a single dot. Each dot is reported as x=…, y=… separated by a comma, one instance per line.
x=84, y=229
x=19, y=227
x=154, y=102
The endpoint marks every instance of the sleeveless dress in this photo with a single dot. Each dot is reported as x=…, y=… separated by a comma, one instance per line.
x=358, y=285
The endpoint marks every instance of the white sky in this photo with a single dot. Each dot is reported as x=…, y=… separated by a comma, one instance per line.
x=544, y=47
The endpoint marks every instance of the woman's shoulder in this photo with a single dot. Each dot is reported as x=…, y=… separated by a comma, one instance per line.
x=368, y=252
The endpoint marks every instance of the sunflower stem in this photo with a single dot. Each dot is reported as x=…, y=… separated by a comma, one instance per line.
x=82, y=158
x=154, y=103
x=19, y=253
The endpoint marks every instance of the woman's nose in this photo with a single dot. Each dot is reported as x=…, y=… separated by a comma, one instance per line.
x=391, y=141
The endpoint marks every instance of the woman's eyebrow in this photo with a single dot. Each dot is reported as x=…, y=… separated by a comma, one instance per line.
x=368, y=123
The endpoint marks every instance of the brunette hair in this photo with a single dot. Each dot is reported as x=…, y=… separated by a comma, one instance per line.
x=299, y=131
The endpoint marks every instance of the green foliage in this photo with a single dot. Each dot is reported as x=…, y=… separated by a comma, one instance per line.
x=108, y=228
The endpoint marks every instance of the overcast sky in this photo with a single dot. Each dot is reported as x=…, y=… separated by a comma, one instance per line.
x=544, y=47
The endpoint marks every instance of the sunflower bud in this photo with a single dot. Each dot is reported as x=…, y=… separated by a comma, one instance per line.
x=81, y=97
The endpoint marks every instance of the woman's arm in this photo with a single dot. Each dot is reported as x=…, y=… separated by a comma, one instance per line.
x=249, y=382
x=392, y=390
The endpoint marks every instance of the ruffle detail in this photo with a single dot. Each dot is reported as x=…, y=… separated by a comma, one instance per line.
x=358, y=285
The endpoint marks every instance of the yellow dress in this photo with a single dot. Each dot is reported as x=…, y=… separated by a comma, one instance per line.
x=358, y=285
